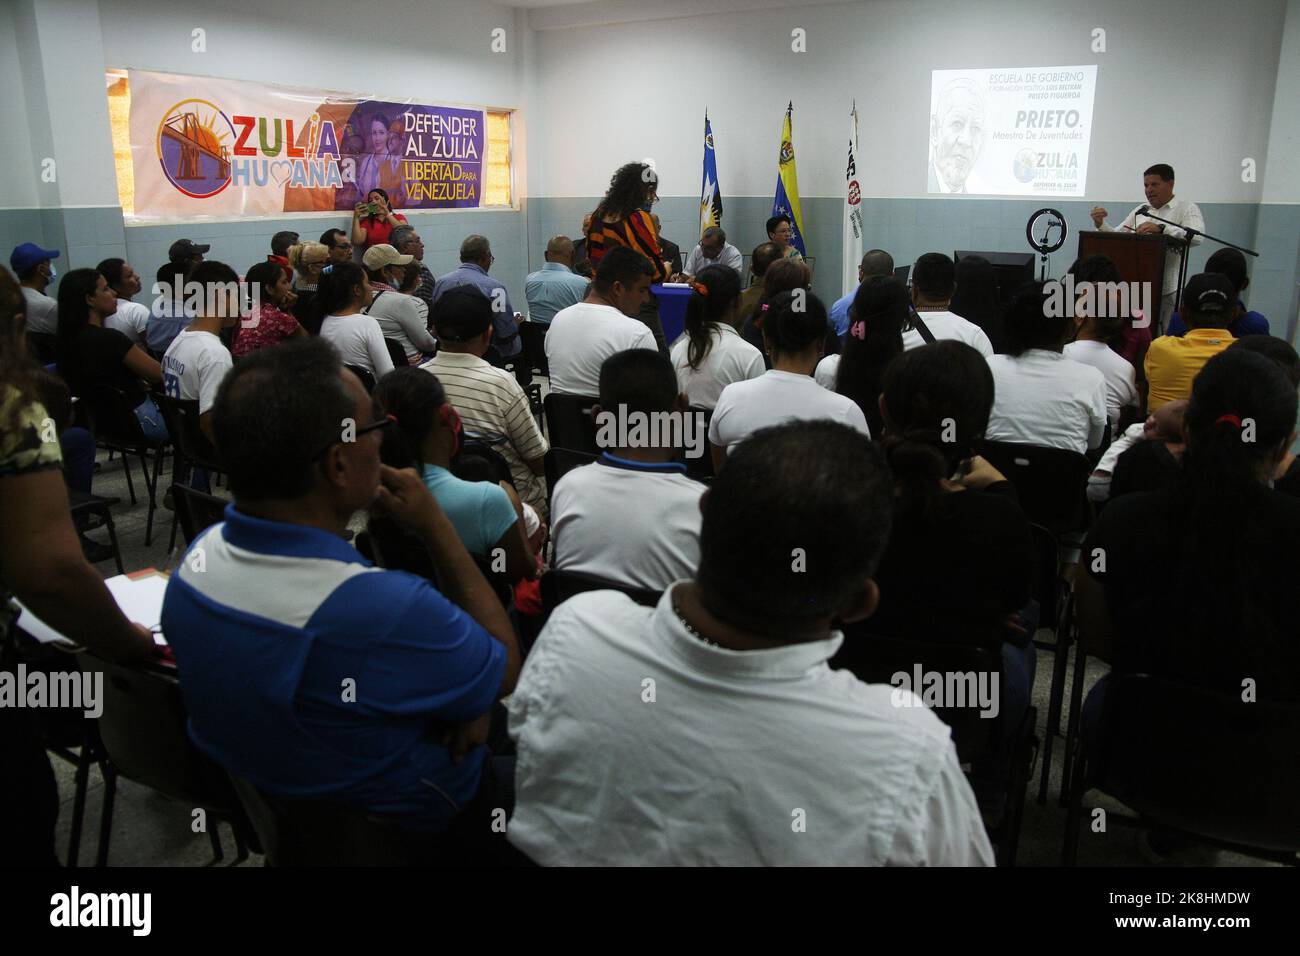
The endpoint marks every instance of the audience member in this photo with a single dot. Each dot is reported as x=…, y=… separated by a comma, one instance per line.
x=187, y=252
x=781, y=231
x=581, y=262
x=341, y=298
x=622, y=219
x=309, y=260
x=373, y=221
x=268, y=322
x=555, y=286
x=714, y=250
x=1231, y=263
x=196, y=362
x=475, y=260
x=284, y=612
x=794, y=327
x=764, y=255
x=933, y=279
x=878, y=315
x=1040, y=396
x=34, y=268
x=397, y=314
x=281, y=243
x=411, y=279
x=1173, y=361
x=657, y=541
x=781, y=275
x=41, y=563
x=1163, y=430
x=426, y=436
x=1135, y=338
x=875, y=262
x=976, y=299
x=339, y=245
x=744, y=648
x=956, y=520
x=489, y=400
x=1095, y=326
x=1222, y=540
x=582, y=336
x=91, y=356
x=408, y=242
x=131, y=318
x=169, y=314
x=712, y=355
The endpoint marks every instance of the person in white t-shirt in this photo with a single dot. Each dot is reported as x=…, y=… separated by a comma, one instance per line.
x=197, y=361
x=1095, y=329
x=712, y=355
x=344, y=290
x=1040, y=397
x=934, y=276
x=581, y=337
x=633, y=517
x=750, y=731
x=131, y=318
x=794, y=328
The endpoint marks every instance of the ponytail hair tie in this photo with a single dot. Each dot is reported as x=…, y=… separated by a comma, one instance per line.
x=701, y=288
x=1233, y=420
x=858, y=330
x=763, y=308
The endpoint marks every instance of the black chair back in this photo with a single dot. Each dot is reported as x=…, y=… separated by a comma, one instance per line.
x=315, y=833
x=701, y=467
x=570, y=423
x=559, y=586
x=560, y=461
x=182, y=418
x=367, y=377
x=532, y=339
x=1202, y=761
x=876, y=659
x=113, y=417
x=196, y=510
x=396, y=352
x=1051, y=482
x=476, y=459
x=393, y=547
x=143, y=727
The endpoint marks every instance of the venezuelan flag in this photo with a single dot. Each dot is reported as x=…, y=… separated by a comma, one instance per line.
x=786, y=202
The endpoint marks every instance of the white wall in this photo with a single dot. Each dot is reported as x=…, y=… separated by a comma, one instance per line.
x=1281, y=173
x=435, y=51
x=18, y=184
x=1190, y=83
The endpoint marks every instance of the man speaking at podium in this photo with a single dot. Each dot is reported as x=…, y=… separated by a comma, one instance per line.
x=1158, y=182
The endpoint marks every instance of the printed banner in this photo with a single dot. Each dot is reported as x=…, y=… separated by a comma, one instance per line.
x=1011, y=132
x=228, y=149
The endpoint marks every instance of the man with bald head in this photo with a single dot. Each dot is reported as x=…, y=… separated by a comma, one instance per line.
x=714, y=250
x=956, y=135
x=876, y=262
x=554, y=286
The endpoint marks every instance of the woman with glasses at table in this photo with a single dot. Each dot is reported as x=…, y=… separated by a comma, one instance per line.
x=623, y=219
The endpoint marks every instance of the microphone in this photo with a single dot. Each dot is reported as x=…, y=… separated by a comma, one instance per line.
x=1142, y=211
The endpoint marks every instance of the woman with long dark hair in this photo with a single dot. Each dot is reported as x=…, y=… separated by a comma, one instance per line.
x=374, y=220
x=269, y=322
x=42, y=564
x=794, y=328
x=959, y=567
x=343, y=292
x=622, y=218
x=783, y=275
x=877, y=318
x=1224, y=539
x=712, y=355
x=90, y=355
x=426, y=436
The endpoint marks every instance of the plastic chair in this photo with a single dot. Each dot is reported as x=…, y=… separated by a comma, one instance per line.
x=367, y=377
x=532, y=337
x=560, y=461
x=570, y=423
x=83, y=503
x=143, y=729
x=1200, y=762
x=193, y=449
x=396, y=352
x=117, y=429
x=701, y=467
x=559, y=586
x=196, y=511
x=1051, y=482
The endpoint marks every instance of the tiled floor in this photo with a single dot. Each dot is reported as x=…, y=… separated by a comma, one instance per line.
x=151, y=830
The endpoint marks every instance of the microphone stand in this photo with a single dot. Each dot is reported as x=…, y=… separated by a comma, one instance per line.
x=1186, y=246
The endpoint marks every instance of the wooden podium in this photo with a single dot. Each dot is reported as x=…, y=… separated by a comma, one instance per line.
x=1139, y=258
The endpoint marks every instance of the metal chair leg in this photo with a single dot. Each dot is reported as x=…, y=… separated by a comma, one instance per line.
x=126, y=470
x=112, y=540
x=106, y=813
x=82, y=780
x=214, y=838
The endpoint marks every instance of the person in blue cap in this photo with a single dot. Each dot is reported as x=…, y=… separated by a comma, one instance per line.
x=34, y=268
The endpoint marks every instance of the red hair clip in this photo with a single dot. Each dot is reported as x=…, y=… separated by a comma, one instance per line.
x=858, y=330
x=1233, y=420
x=701, y=288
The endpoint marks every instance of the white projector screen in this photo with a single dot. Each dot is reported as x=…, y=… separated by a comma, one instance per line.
x=1011, y=132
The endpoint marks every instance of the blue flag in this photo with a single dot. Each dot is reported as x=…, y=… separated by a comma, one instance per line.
x=710, y=194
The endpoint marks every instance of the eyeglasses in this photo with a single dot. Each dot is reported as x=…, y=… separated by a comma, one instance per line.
x=364, y=429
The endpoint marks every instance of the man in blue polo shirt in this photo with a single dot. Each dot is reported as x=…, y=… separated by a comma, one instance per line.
x=305, y=669
x=1231, y=263
x=555, y=286
x=475, y=260
x=875, y=262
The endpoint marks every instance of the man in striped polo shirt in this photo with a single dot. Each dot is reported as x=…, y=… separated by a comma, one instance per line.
x=491, y=404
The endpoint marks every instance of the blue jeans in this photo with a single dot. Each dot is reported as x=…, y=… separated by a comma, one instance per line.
x=78, y=447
